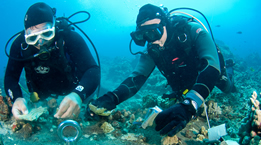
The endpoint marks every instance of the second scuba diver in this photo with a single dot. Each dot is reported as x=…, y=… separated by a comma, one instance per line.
x=185, y=54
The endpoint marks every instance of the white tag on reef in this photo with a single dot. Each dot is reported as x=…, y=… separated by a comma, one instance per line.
x=34, y=114
x=216, y=132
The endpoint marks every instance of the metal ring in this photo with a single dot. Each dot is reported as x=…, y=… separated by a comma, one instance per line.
x=24, y=48
x=56, y=44
x=71, y=123
x=186, y=38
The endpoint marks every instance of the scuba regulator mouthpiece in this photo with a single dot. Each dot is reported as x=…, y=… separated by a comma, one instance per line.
x=43, y=54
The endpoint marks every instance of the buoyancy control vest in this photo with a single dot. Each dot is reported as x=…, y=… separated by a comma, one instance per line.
x=178, y=61
x=59, y=58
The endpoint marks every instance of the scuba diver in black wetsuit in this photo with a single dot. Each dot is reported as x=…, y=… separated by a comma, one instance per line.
x=185, y=54
x=57, y=61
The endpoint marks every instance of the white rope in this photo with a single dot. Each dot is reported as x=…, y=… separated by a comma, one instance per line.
x=205, y=107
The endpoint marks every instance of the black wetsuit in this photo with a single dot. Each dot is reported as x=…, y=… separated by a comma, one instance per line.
x=47, y=77
x=193, y=64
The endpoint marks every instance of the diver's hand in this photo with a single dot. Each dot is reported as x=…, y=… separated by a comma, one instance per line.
x=70, y=106
x=175, y=118
x=19, y=108
x=103, y=105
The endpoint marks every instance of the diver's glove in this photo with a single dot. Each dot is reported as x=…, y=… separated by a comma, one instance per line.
x=175, y=118
x=104, y=105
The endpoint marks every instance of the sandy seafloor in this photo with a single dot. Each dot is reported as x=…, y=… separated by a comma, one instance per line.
x=45, y=137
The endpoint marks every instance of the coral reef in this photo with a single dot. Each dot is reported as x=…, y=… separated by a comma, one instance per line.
x=4, y=109
x=153, y=100
x=134, y=137
x=171, y=140
x=130, y=137
x=149, y=101
x=26, y=130
x=16, y=127
x=255, y=141
x=9, y=101
x=250, y=129
x=212, y=108
x=34, y=114
x=203, y=133
x=256, y=123
x=52, y=103
x=107, y=127
x=94, y=128
x=127, y=117
x=132, y=118
x=52, y=106
x=200, y=135
x=164, y=103
x=1, y=142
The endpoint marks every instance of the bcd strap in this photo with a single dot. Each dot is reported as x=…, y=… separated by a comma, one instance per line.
x=64, y=61
x=178, y=50
x=221, y=61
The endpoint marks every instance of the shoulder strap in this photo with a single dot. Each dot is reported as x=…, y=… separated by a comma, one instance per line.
x=179, y=21
x=63, y=60
x=181, y=35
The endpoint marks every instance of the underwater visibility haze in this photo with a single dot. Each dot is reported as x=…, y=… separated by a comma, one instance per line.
x=236, y=28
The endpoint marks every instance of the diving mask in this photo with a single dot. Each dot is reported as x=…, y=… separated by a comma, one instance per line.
x=148, y=33
x=46, y=34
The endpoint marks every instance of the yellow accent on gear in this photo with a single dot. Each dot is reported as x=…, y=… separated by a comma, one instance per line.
x=185, y=92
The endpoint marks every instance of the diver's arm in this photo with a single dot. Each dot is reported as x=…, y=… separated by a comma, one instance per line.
x=13, y=71
x=88, y=83
x=85, y=64
x=105, y=104
x=209, y=63
x=135, y=81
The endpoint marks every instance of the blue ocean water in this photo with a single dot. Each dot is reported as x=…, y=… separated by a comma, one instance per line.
x=235, y=22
